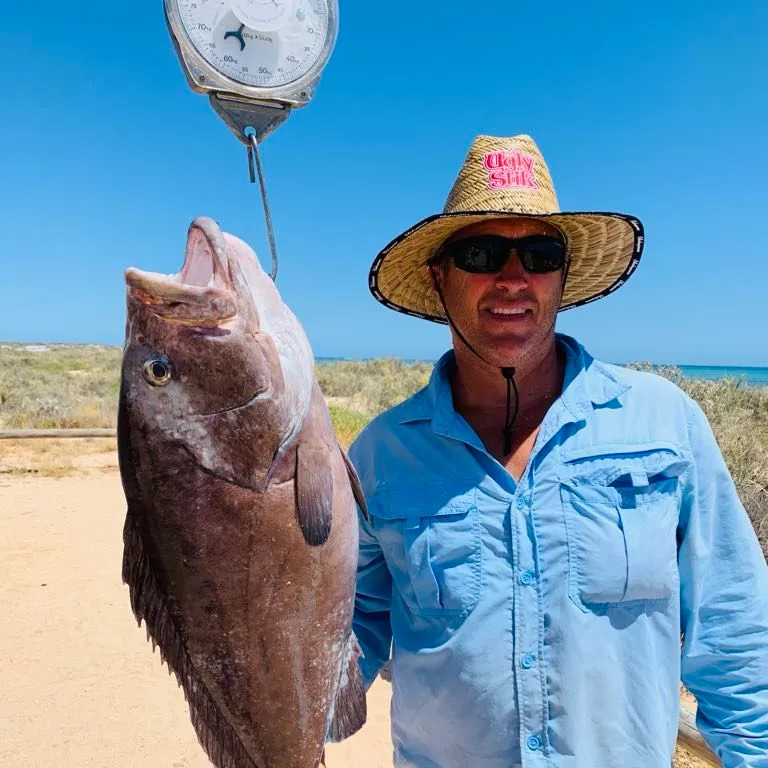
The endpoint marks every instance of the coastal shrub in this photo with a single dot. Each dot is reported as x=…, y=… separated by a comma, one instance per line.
x=346, y=423
x=58, y=386
x=372, y=386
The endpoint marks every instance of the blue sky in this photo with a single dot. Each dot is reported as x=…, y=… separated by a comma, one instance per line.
x=656, y=109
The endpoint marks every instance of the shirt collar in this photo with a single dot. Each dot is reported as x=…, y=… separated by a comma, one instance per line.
x=587, y=384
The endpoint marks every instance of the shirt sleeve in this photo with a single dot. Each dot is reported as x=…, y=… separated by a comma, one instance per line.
x=373, y=598
x=724, y=607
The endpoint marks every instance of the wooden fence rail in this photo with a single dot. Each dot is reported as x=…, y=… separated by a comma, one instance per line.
x=688, y=734
x=27, y=434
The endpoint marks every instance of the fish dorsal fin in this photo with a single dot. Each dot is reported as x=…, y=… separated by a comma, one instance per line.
x=314, y=491
x=350, y=709
x=357, y=488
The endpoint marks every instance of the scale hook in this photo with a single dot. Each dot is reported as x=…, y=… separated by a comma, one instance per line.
x=253, y=154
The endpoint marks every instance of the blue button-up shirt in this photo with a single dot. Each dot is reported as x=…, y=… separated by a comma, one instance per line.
x=537, y=623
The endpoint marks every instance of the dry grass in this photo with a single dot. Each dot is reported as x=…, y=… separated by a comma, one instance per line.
x=57, y=458
x=58, y=386
x=371, y=386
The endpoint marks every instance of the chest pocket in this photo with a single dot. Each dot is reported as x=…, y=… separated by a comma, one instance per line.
x=621, y=513
x=430, y=537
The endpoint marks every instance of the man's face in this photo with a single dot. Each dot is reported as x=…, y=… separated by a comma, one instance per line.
x=479, y=304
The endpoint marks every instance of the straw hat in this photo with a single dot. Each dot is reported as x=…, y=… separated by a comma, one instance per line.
x=507, y=177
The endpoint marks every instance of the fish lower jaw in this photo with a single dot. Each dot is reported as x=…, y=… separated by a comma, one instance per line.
x=207, y=307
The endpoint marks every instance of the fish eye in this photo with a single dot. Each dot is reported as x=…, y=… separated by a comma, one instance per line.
x=157, y=370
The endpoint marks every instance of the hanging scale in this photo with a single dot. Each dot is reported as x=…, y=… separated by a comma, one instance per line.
x=256, y=60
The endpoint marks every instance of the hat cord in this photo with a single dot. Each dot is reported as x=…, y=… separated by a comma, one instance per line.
x=508, y=372
x=509, y=375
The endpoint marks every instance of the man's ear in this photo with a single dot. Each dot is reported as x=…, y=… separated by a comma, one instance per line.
x=433, y=275
x=437, y=271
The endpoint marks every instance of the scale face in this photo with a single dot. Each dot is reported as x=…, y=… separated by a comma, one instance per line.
x=270, y=50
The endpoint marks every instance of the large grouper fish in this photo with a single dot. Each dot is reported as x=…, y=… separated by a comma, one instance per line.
x=241, y=538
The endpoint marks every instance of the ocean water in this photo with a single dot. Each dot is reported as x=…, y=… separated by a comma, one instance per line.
x=753, y=376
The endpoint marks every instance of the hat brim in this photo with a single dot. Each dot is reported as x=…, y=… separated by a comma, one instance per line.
x=604, y=250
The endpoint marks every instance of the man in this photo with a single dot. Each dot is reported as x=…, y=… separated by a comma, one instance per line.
x=543, y=527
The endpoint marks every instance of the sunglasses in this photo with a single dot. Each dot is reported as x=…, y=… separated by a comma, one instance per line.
x=485, y=254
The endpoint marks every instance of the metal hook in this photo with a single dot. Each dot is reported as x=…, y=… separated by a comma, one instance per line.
x=253, y=152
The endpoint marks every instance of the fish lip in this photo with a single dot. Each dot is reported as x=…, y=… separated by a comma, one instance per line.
x=201, y=293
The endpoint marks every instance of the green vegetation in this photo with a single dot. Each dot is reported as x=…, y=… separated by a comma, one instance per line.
x=371, y=386
x=58, y=386
x=347, y=423
x=63, y=386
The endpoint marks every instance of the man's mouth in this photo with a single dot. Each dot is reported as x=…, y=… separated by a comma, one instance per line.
x=509, y=313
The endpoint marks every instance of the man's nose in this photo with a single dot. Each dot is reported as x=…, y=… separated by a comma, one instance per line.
x=512, y=275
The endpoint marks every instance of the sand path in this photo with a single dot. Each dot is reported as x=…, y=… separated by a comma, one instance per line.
x=80, y=686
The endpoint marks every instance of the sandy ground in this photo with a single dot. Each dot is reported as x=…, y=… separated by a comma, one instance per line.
x=79, y=684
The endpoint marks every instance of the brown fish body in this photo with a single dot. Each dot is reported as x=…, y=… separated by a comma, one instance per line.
x=241, y=532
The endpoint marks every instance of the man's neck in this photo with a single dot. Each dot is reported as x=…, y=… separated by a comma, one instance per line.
x=478, y=386
x=480, y=394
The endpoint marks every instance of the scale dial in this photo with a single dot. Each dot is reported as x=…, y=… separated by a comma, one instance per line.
x=263, y=15
x=258, y=43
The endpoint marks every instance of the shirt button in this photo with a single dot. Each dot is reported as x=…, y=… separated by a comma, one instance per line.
x=521, y=503
x=527, y=661
x=527, y=578
x=533, y=742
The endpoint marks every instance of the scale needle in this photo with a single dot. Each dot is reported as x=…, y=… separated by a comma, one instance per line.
x=238, y=34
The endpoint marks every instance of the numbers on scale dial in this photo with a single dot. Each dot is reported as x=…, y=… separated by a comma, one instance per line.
x=264, y=43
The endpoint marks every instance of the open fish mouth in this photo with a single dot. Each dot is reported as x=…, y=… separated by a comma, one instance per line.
x=201, y=294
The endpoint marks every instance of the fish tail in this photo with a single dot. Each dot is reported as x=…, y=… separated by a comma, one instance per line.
x=216, y=736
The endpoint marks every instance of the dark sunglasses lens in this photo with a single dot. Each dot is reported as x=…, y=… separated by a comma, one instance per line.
x=543, y=254
x=479, y=256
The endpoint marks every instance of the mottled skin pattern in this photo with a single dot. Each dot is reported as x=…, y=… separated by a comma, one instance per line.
x=209, y=461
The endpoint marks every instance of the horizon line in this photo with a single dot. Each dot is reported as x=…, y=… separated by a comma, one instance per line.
x=341, y=358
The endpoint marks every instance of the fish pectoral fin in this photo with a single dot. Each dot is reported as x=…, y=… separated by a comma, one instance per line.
x=357, y=488
x=350, y=709
x=314, y=492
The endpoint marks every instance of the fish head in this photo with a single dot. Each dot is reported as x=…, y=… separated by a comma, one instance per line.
x=214, y=360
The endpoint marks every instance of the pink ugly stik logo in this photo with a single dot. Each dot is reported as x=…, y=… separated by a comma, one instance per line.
x=510, y=169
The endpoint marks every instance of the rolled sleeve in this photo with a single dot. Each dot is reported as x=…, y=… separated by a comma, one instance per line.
x=724, y=607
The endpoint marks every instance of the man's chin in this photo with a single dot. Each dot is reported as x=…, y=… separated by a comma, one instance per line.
x=506, y=351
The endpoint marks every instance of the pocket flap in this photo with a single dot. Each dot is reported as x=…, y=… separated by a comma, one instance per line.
x=419, y=501
x=638, y=466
